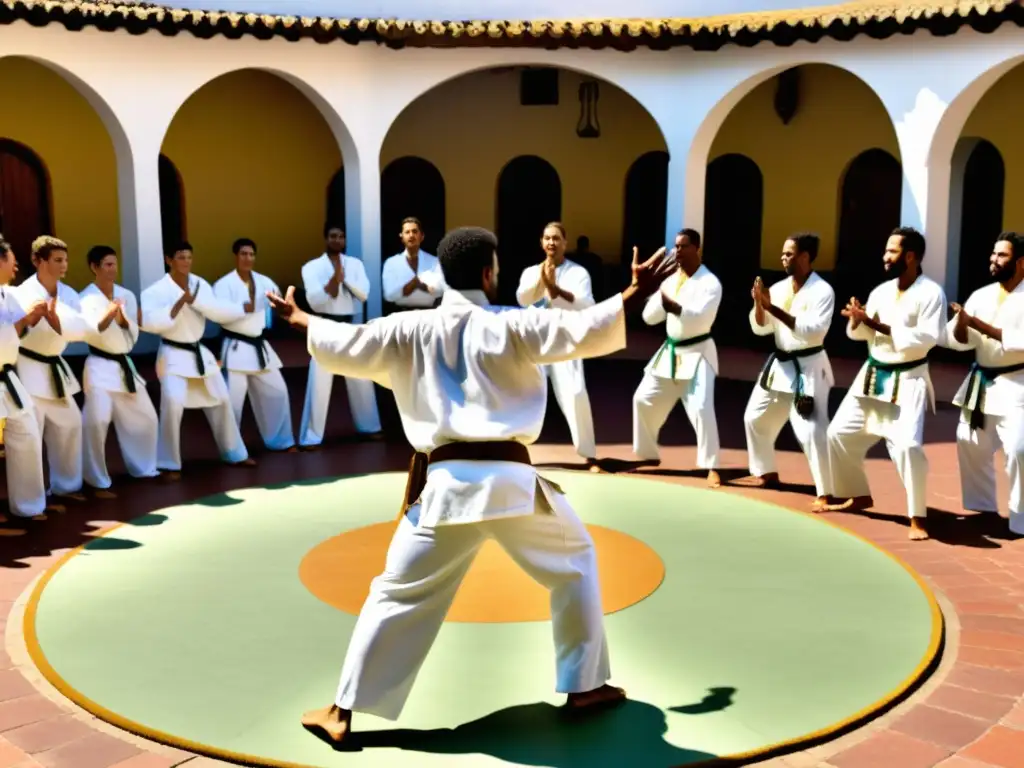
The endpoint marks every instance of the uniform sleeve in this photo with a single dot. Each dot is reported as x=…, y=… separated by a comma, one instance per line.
x=212, y=307
x=316, y=294
x=391, y=280
x=973, y=337
x=553, y=335
x=157, y=302
x=919, y=339
x=579, y=285
x=862, y=332
x=356, y=281
x=73, y=325
x=816, y=319
x=654, y=310
x=531, y=287
x=361, y=351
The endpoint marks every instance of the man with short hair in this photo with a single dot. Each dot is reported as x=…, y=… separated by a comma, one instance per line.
x=250, y=363
x=686, y=365
x=114, y=390
x=903, y=320
x=176, y=309
x=991, y=398
x=44, y=371
x=26, y=486
x=412, y=279
x=334, y=283
x=468, y=385
x=796, y=379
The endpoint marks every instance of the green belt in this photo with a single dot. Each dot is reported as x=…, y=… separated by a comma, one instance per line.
x=878, y=373
x=673, y=345
x=980, y=378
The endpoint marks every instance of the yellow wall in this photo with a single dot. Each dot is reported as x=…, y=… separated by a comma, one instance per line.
x=471, y=127
x=40, y=109
x=999, y=118
x=255, y=158
x=803, y=163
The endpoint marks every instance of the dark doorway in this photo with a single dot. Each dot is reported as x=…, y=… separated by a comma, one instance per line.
x=335, y=213
x=529, y=196
x=24, y=201
x=172, y=204
x=733, y=213
x=411, y=186
x=981, y=216
x=870, y=202
x=646, y=202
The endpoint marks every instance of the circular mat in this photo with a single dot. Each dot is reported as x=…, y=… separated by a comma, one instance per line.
x=737, y=628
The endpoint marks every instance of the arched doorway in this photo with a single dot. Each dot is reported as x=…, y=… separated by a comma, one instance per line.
x=981, y=216
x=335, y=212
x=411, y=186
x=870, y=201
x=734, y=210
x=172, y=204
x=24, y=200
x=646, y=202
x=529, y=196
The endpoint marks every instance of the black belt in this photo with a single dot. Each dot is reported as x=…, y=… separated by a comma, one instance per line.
x=123, y=361
x=980, y=377
x=56, y=363
x=190, y=346
x=788, y=356
x=256, y=342
x=873, y=382
x=335, y=318
x=5, y=377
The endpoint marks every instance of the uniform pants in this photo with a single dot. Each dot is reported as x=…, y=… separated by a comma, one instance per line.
x=60, y=423
x=656, y=397
x=570, y=386
x=173, y=398
x=136, y=425
x=270, y=405
x=766, y=414
x=362, y=401
x=23, y=444
x=976, y=450
x=408, y=602
x=861, y=422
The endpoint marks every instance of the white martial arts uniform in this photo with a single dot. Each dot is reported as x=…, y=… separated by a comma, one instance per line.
x=566, y=377
x=999, y=397
x=891, y=405
x=23, y=442
x=773, y=399
x=397, y=273
x=683, y=369
x=253, y=367
x=467, y=372
x=362, y=400
x=52, y=384
x=182, y=383
x=114, y=391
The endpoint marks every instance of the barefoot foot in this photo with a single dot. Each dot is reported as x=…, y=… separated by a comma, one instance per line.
x=714, y=481
x=918, y=529
x=599, y=698
x=332, y=722
x=769, y=481
x=594, y=465
x=104, y=493
x=856, y=504
x=819, y=504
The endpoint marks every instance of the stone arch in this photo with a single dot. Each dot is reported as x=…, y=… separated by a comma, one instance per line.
x=980, y=179
x=173, y=226
x=411, y=186
x=646, y=200
x=26, y=205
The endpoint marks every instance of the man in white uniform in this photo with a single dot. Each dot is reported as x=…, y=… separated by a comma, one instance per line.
x=471, y=395
x=412, y=279
x=796, y=379
x=991, y=398
x=903, y=319
x=114, y=390
x=176, y=308
x=251, y=364
x=563, y=284
x=46, y=374
x=686, y=366
x=26, y=487
x=334, y=283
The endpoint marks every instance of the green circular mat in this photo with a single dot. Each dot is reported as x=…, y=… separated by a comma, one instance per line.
x=191, y=626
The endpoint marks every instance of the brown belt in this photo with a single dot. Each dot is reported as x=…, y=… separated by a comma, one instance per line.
x=493, y=450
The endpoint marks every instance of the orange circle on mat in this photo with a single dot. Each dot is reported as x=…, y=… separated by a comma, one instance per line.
x=339, y=571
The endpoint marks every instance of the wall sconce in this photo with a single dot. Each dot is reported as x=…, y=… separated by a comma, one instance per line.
x=588, y=126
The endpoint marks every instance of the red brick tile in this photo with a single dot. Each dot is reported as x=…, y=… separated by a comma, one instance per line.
x=1002, y=579
x=990, y=607
x=979, y=595
x=989, y=657
x=29, y=709
x=955, y=580
x=997, y=681
x=13, y=685
x=973, y=703
x=96, y=751
x=938, y=726
x=890, y=750
x=963, y=762
x=1013, y=626
x=986, y=639
x=48, y=734
x=1000, y=746
x=149, y=760
x=1015, y=718
x=10, y=755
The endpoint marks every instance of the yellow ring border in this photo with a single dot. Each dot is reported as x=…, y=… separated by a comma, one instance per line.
x=905, y=688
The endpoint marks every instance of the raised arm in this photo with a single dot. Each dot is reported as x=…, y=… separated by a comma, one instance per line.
x=314, y=285
x=654, y=310
x=553, y=335
x=160, y=306
x=920, y=338
x=356, y=280
x=213, y=307
x=531, y=287
x=816, y=319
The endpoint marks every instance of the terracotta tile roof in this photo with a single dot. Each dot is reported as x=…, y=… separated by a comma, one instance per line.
x=876, y=18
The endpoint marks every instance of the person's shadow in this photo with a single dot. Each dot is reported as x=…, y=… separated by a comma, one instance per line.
x=544, y=735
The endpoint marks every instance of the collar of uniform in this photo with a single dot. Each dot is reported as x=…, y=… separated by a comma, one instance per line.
x=456, y=298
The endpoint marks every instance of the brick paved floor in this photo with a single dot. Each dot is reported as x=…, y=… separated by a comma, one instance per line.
x=969, y=714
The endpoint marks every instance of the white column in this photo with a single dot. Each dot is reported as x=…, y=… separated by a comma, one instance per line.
x=362, y=215
x=685, y=200
x=138, y=181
